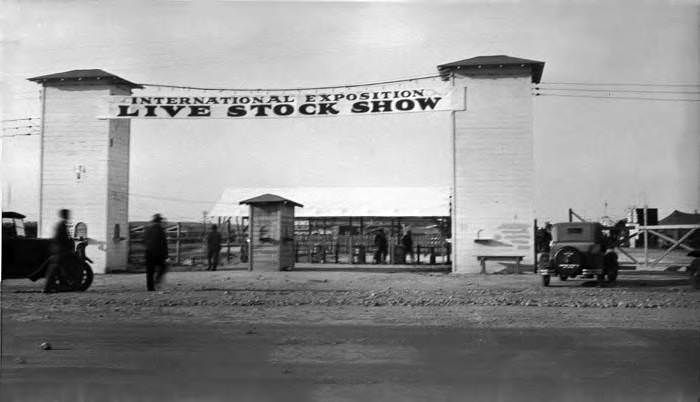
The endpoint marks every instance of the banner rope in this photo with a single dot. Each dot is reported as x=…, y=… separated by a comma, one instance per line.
x=290, y=89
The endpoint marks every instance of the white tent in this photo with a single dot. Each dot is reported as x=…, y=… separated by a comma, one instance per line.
x=344, y=201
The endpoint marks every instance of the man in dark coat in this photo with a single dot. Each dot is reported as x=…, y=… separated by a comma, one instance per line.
x=381, y=246
x=543, y=236
x=62, y=246
x=213, y=248
x=156, y=251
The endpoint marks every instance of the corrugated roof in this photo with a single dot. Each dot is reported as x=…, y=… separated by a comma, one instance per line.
x=475, y=63
x=269, y=198
x=345, y=201
x=91, y=74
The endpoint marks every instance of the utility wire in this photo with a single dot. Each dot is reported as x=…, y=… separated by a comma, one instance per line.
x=629, y=84
x=155, y=197
x=617, y=90
x=291, y=89
x=17, y=127
x=619, y=97
x=19, y=135
x=25, y=119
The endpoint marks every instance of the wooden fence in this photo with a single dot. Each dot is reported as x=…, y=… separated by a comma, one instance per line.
x=187, y=247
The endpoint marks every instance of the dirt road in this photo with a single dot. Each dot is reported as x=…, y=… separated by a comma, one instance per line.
x=311, y=336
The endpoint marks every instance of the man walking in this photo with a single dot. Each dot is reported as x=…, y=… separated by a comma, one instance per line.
x=156, y=251
x=213, y=248
x=62, y=247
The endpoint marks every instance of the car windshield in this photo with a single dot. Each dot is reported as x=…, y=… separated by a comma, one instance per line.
x=574, y=233
x=12, y=227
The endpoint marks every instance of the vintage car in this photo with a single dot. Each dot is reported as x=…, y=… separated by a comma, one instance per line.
x=24, y=257
x=579, y=248
x=21, y=256
x=694, y=269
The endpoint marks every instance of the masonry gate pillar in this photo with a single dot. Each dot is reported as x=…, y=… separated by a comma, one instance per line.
x=85, y=162
x=493, y=177
x=271, y=228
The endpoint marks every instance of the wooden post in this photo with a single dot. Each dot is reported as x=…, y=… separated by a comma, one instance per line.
x=391, y=250
x=251, y=238
x=177, y=244
x=571, y=219
x=646, y=239
x=534, y=248
x=228, y=240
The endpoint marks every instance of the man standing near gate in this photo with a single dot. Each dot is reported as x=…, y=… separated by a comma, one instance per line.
x=213, y=248
x=156, y=251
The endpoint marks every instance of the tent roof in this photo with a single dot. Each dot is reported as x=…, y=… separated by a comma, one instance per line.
x=345, y=201
x=680, y=218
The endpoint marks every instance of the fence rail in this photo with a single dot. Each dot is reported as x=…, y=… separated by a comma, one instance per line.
x=186, y=246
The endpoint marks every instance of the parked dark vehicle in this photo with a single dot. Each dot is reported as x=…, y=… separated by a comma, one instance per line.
x=580, y=248
x=24, y=257
x=694, y=269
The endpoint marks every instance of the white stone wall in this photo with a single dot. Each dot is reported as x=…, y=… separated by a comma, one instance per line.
x=79, y=168
x=494, y=168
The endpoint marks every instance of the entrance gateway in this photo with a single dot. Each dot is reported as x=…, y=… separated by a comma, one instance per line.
x=85, y=141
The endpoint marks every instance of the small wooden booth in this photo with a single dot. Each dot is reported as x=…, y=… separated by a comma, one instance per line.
x=271, y=220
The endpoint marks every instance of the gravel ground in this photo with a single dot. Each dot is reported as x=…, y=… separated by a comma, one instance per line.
x=638, y=300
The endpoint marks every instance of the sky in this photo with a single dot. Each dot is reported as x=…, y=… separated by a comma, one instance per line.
x=595, y=152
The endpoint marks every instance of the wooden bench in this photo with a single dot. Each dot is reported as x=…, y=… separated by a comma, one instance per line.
x=483, y=258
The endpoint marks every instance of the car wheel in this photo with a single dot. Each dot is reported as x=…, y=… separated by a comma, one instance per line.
x=694, y=271
x=601, y=279
x=563, y=277
x=86, y=277
x=545, y=280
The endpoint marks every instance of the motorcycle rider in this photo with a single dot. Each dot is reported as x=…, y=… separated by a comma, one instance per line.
x=62, y=246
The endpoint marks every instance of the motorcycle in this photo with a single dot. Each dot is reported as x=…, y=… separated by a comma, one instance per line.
x=71, y=272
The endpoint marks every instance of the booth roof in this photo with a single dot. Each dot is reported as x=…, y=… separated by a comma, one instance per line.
x=345, y=201
x=269, y=199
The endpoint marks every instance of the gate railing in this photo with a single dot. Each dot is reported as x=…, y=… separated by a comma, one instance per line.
x=676, y=240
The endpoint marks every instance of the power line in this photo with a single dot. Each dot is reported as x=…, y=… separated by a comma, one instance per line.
x=25, y=119
x=18, y=127
x=19, y=135
x=618, y=90
x=291, y=89
x=619, y=84
x=619, y=97
x=155, y=197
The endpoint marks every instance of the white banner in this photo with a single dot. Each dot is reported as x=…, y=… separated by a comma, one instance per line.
x=279, y=104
